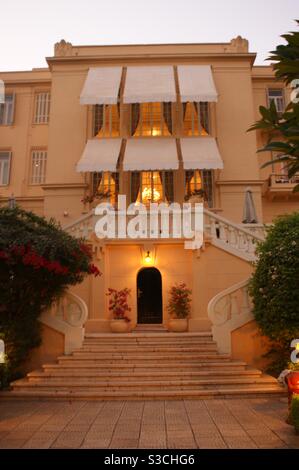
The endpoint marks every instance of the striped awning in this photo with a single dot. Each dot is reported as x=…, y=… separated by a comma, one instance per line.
x=201, y=153
x=100, y=155
x=150, y=84
x=101, y=86
x=151, y=154
x=196, y=83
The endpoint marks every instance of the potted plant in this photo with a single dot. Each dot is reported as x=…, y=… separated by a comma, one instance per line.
x=179, y=307
x=196, y=196
x=118, y=306
x=100, y=196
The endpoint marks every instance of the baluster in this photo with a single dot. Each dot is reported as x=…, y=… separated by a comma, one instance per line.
x=213, y=228
x=232, y=239
x=240, y=240
x=234, y=305
x=245, y=300
x=222, y=232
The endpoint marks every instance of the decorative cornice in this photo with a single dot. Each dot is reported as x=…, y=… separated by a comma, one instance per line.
x=240, y=183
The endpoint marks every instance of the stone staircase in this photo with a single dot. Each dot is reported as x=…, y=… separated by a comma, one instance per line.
x=145, y=365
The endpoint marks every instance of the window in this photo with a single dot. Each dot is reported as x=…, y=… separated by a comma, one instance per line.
x=7, y=110
x=276, y=95
x=106, y=120
x=151, y=119
x=196, y=180
x=5, y=158
x=42, y=108
x=38, y=166
x=105, y=183
x=196, y=118
x=152, y=186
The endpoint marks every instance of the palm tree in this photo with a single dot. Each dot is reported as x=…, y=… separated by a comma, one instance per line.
x=283, y=129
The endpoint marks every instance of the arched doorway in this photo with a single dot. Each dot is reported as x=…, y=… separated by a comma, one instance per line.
x=149, y=296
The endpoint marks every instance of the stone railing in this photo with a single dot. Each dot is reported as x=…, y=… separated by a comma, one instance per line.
x=234, y=238
x=238, y=239
x=228, y=310
x=68, y=316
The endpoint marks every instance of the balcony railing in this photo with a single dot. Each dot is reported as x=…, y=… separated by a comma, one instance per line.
x=281, y=184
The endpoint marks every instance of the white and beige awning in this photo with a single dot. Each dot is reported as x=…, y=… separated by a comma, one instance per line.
x=151, y=154
x=149, y=84
x=100, y=155
x=101, y=85
x=196, y=83
x=201, y=153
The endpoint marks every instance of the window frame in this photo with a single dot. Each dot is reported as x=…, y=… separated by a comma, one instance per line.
x=9, y=155
x=94, y=185
x=163, y=130
x=6, y=112
x=164, y=199
x=196, y=130
x=31, y=174
x=44, y=117
x=204, y=175
x=106, y=108
x=276, y=98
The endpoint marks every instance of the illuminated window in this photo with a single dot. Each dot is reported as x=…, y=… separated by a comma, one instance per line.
x=7, y=110
x=195, y=119
x=42, y=108
x=276, y=95
x=105, y=185
x=38, y=166
x=151, y=119
x=106, y=120
x=152, y=186
x=196, y=180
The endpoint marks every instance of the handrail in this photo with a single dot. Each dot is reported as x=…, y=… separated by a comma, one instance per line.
x=228, y=310
x=68, y=316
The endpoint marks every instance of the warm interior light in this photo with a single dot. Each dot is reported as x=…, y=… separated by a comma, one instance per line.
x=148, y=258
x=297, y=346
x=148, y=194
x=2, y=358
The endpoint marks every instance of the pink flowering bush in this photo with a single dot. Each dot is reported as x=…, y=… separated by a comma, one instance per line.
x=179, y=301
x=118, y=303
x=38, y=262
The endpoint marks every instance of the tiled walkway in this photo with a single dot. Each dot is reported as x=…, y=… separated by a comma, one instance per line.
x=252, y=423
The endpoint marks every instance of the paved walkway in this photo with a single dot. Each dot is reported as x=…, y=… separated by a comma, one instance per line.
x=205, y=424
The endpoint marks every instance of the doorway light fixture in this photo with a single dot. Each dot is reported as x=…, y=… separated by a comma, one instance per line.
x=148, y=259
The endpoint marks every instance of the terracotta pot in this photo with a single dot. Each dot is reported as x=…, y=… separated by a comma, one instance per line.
x=178, y=325
x=119, y=326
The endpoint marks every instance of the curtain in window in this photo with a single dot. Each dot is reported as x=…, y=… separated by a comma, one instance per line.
x=115, y=178
x=135, y=115
x=98, y=118
x=167, y=114
x=96, y=181
x=188, y=177
x=135, y=185
x=168, y=185
x=203, y=114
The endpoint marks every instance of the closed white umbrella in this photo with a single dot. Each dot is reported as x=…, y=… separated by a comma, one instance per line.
x=249, y=212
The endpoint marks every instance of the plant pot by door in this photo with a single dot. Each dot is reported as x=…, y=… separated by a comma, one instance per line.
x=178, y=325
x=119, y=326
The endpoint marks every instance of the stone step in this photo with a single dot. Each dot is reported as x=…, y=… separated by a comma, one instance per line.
x=124, y=356
x=143, y=349
x=99, y=367
x=143, y=336
x=176, y=394
x=114, y=384
x=126, y=376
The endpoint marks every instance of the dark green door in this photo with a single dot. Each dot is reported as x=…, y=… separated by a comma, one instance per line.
x=149, y=296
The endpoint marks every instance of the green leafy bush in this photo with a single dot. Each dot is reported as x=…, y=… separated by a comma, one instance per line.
x=38, y=261
x=274, y=287
x=179, y=301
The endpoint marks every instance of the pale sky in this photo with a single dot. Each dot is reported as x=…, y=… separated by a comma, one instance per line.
x=29, y=28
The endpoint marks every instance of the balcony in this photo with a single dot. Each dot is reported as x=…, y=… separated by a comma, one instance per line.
x=280, y=185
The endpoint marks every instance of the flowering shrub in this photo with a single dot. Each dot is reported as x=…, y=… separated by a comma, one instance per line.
x=275, y=287
x=118, y=303
x=179, y=301
x=38, y=261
